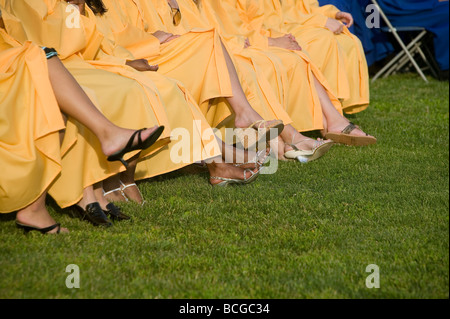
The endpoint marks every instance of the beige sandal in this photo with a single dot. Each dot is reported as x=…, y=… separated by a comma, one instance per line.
x=321, y=147
x=352, y=140
x=228, y=181
x=257, y=161
x=259, y=132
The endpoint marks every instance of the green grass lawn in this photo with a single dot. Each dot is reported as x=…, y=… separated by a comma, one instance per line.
x=308, y=231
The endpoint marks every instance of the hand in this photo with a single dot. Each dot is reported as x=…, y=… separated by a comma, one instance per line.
x=164, y=37
x=346, y=18
x=286, y=42
x=334, y=26
x=247, y=43
x=291, y=36
x=142, y=65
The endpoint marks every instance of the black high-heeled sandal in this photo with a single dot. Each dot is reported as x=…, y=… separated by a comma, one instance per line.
x=141, y=145
x=115, y=213
x=44, y=231
x=94, y=214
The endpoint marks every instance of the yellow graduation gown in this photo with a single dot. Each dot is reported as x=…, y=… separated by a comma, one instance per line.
x=306, y=20
x=300, y=100
x=195, y=59
x=191, y=131
x=325, y=51
x=117, y=97
x=30, y=121
x=257, y=89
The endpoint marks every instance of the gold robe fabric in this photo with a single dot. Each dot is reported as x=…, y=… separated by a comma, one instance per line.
x=195, y=58
x=191, y=131
x=340, y=57
x=243, y=19
x=257, y=89
x=117, y=97
x=30, y=121
x=253, y=67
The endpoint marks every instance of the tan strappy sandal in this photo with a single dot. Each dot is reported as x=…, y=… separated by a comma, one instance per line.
x=259, y=133
x=258, y=161
x=352, y=140
x=321, y=147
x=229, y=181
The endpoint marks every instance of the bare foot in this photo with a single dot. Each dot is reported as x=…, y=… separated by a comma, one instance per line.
x=129, y=187
x=256, y=162
x=233, y=155
x=133, y=193
x=118, y=141
x=115, y=196
x=278, y=146
x=302, y=143
x=113, y=190
x=339, y=127
x=39, y=218
x=227, y=171
x=247, y=118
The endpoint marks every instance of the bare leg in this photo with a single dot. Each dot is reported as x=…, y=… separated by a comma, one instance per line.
x=291, y=136
x=128, y=184
x=94, y=213
x=98, y=193
x=335, y=122
x=122, y=187
x=74, y=102
x=233, y=155
x=245, y=114
x=88, y=197
x=219, y=169
x=36, y=215
x=113, y=189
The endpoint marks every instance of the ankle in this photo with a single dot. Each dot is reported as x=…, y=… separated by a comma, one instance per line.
x=83, y=203
x=127, y=178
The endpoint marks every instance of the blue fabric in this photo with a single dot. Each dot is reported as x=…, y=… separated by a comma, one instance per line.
x=376, y=44
x=430, y=14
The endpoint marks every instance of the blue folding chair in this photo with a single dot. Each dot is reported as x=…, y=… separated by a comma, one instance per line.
x=409, y=52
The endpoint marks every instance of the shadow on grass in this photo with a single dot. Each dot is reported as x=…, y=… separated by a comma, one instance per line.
x=186, y=171
x=8, y=217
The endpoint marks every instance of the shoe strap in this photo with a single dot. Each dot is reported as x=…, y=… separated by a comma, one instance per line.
x=257, y=123
x=49, y=229
x=231, y=179
x=113, y=210
x=251, y=172
x=294, y=145
x=112, y=191
x=124, y=187
x=131, y=140
x=350, y=128
x=95, y=210
x=221, y=178
x=260, y=123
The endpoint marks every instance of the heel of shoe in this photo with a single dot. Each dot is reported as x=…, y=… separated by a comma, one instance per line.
x=26, y=229
x=118, y=158
x=141, y=145
x=124, y=162
x=303, y=159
